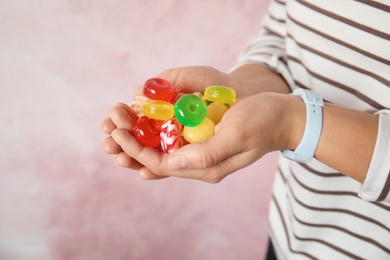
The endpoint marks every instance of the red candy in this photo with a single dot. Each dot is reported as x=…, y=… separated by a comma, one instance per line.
x=159, y=89
x=147, y=131
x=177, y=97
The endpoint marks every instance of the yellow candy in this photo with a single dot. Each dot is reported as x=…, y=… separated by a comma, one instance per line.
x=199, y=133
x=157, y=109
x=219, y=93
x=215, y=111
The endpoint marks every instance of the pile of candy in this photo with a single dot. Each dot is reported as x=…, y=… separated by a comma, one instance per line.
x=168, y=120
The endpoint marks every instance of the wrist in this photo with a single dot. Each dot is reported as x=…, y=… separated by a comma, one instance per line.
x=292, y=122
x=285, y=121
x=252, y=79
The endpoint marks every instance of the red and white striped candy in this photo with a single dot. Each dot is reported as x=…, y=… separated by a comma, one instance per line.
x=170, y=136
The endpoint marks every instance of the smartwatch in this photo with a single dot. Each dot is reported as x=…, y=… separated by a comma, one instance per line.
x=305, y=150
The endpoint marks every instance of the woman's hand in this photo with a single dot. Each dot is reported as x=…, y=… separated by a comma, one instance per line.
x=251, y=128
x=246, y=80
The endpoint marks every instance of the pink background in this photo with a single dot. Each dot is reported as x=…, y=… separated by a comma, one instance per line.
x=63, y=64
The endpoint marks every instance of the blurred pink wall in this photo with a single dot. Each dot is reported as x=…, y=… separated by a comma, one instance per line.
x=63, y=63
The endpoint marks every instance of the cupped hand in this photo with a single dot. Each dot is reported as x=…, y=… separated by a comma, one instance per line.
x=184, y=79
x=249, y=129
x=188, y=80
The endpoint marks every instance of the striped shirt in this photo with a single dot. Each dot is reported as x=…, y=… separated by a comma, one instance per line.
x=341, y=50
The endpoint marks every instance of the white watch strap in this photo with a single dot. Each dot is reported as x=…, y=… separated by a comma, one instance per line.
x=308, y=145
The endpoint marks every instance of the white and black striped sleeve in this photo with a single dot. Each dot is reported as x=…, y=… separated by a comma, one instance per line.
x=269, y=47
x=376, y=187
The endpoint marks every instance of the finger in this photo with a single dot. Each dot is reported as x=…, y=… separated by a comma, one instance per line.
x=107, y=126
x=218, y=171
x=157, y=163
x=123, y=160
x=153, y=159
x=194, y=78
x=207, y=154
x=121, y=118
x=110, y=146
x=127, y=109
x=146, y=174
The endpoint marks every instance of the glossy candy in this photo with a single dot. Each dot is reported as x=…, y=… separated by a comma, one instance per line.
x=137, y=105
x=170, y=136
x=201, y=96
x=199, y=133
x=159, y=110
x=159, y=89
x=162, y=113
x=147, y=131
x=190, y=110
x=215, y=111
x=177, y=97
x=219, y=93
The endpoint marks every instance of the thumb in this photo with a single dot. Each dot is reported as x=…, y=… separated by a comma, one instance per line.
x=206, y=154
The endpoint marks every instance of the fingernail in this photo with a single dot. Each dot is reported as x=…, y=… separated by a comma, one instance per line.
x=178, y=162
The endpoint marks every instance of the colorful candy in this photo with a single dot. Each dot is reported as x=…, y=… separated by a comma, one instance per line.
x=201, y=96
x=215, y=111
x=199, y=133
x=177, y=97
x=220, y=93
x=157, y=109
x=138, y=104
x=147, y=131
x=159, y=89
x=170, y=136
x=163, y=113
x=190, y=110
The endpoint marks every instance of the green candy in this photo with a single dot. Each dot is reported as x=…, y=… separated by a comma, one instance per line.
x=190, y=110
